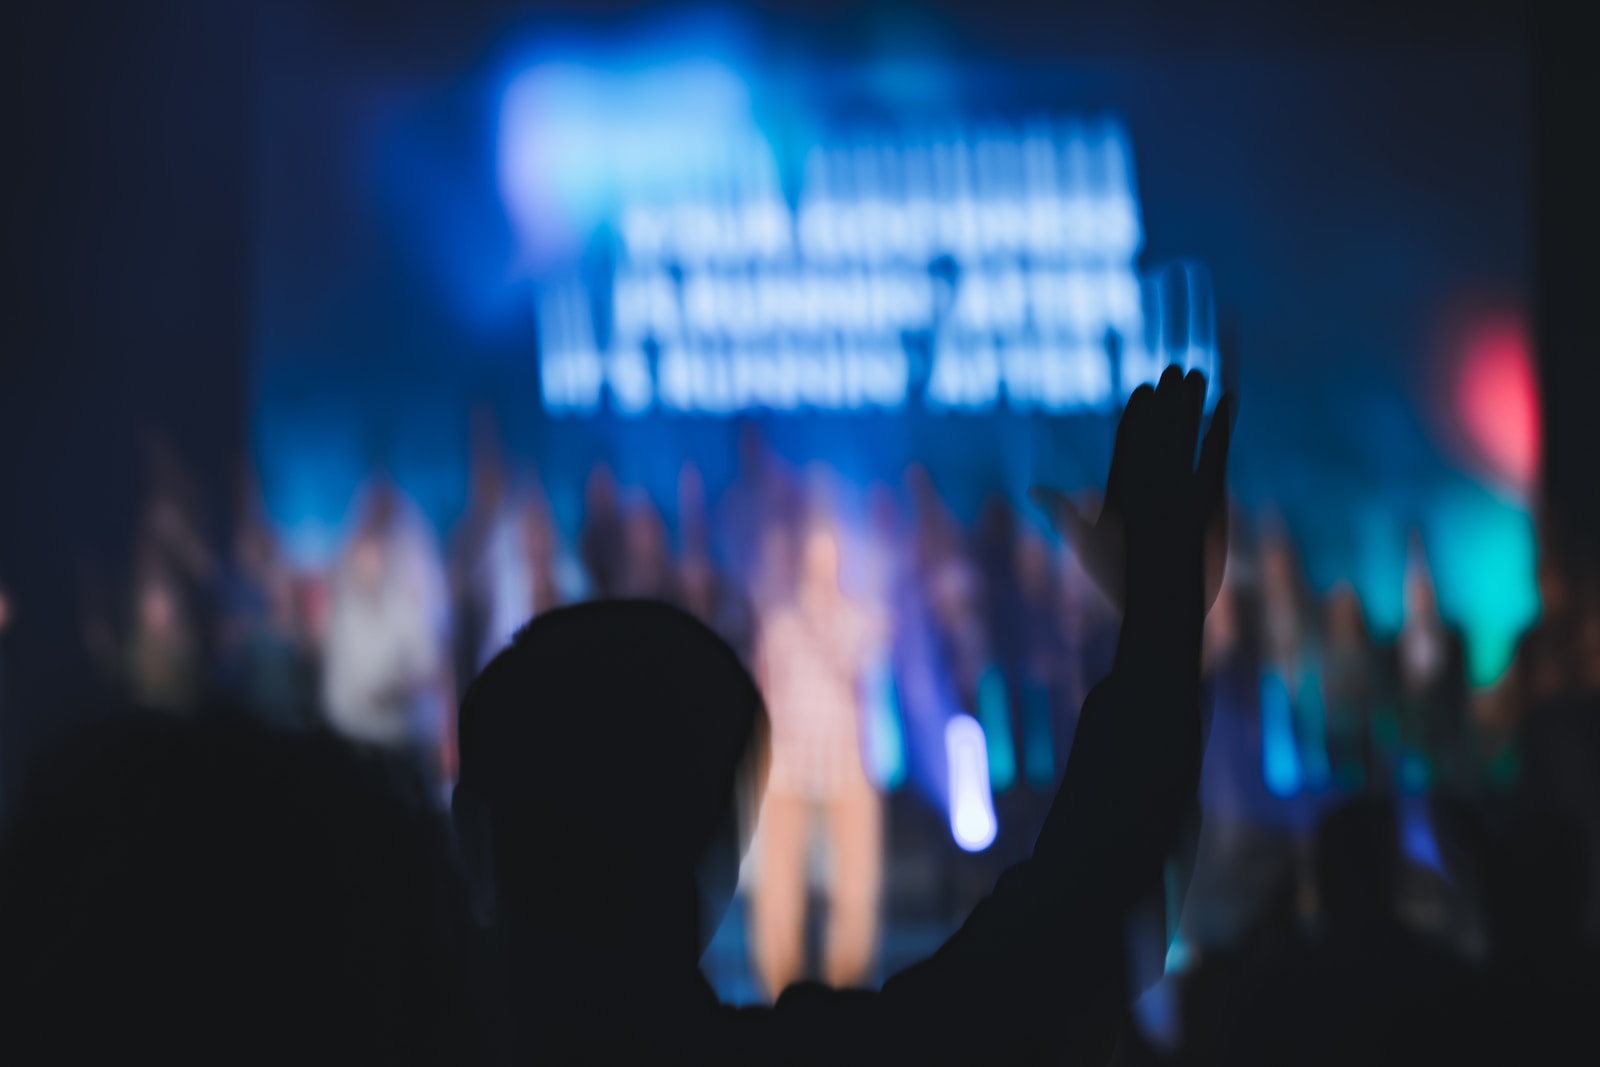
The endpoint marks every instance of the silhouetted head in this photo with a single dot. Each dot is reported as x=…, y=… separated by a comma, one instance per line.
x=601, y=755
x=1536, y=884
x=206, y=892
x=1357, y=864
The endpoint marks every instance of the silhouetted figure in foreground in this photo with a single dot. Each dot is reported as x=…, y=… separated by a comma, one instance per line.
x=1559, y=739
x=619, y=888
x=204, y=891
x=1365, y=989
x=1544, y=980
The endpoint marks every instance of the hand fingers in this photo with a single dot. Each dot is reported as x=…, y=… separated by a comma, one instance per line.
x=1172, y=417
x=1128, y=435
x=1194, y=384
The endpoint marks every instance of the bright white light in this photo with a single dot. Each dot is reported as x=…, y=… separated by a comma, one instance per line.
x=972, y=821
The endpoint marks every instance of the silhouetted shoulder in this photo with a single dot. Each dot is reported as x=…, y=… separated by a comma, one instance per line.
x=210, y=892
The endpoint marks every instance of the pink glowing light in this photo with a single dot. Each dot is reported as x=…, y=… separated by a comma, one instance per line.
x=1498, y=399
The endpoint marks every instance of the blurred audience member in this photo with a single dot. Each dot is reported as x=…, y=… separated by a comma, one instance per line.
x=1043, y=649
x=1292, y=664
x=491, y=587
x=558, y=577
x=385, y=668
x=265, y=651
x=1427, y=669
x=164, y=659
x=811, y=663
x=167, y=649
x=926, y=698
x=884, y=728
x=1247, y=848
x=1350, y=681
x=603, y=545
x=763, y=497
x=707, y=592
x=994, y=548
x=172, y=537
x=1365, y=989
x=649, y=572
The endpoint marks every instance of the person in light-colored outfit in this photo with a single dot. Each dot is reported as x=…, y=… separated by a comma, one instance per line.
x=812, y=657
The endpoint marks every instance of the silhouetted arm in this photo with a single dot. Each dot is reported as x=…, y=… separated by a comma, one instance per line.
x=1038, y=965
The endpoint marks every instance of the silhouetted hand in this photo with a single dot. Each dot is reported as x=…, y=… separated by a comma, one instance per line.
x=1158, y=504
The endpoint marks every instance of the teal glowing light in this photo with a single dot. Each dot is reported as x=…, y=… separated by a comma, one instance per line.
x=994, y=713
x=1482, y=551
x=1312, y=729
x=886, y=747
x=1038, y=737
x=1279, y=754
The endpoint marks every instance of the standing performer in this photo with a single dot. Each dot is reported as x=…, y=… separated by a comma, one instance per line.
x=812, y=659
x=387, y=673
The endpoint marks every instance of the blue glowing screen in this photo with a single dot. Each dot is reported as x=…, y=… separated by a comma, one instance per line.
x=625, y=238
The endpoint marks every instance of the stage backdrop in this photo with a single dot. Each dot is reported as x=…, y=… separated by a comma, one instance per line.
x=628, y=238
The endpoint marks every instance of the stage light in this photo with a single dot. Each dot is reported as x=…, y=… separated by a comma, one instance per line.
x=1279, y=753
x=884, y=742
x=1498, y=399
x=994, y=715
x=972, y=821
x=1417, y=838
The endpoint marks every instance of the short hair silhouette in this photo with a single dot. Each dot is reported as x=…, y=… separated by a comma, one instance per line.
x=601, y=755
x=590, y=709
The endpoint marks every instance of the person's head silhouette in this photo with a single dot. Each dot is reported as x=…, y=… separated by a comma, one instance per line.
x=602, y=755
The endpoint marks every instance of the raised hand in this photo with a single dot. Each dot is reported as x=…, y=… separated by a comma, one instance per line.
x=1159, y=506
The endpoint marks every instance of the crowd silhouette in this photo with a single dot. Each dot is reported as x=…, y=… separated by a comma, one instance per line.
x=292, y=844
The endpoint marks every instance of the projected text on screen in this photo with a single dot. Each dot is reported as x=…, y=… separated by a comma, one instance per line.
x=968, y=273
